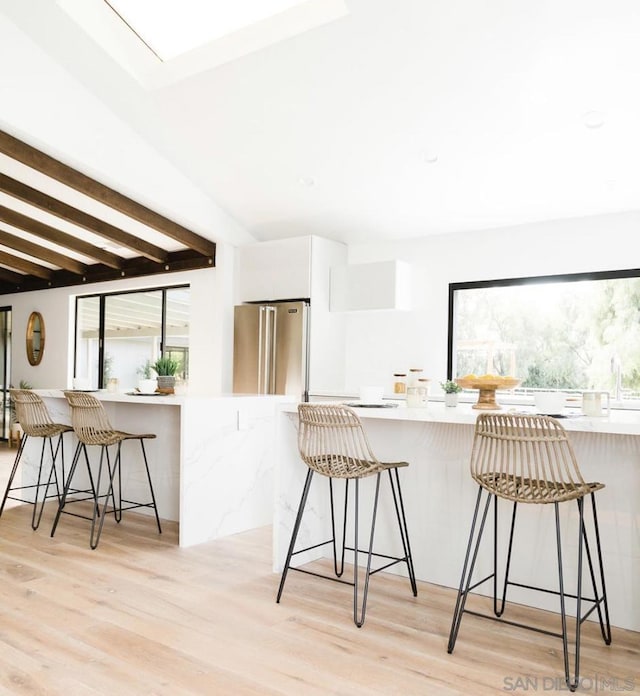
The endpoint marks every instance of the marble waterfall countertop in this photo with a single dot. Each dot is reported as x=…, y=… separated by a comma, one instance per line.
x=212, y=462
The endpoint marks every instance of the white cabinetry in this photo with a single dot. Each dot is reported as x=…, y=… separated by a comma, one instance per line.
x=299, y=268
x=381, y=285
x=276, y=270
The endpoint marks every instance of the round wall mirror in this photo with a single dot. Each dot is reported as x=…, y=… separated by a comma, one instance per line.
x=35, y=338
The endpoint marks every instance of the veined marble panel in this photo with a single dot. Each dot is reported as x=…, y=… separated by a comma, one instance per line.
x=211, y=463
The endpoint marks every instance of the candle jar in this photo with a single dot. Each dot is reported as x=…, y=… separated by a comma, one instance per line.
x=400, y=383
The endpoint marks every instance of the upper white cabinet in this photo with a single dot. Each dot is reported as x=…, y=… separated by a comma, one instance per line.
x=300, y=268
x=365, y=286
x=276, y=270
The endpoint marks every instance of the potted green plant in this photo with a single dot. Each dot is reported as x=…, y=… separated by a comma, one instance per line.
x=451, y=390
x=166, y=369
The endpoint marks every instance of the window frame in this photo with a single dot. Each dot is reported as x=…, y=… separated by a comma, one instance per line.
x=526, y=280
x=101, y=322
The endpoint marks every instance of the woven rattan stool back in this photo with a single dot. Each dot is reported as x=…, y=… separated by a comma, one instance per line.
x=525, y=458
x=32, y=414
x=89, y=419
x=332, y=442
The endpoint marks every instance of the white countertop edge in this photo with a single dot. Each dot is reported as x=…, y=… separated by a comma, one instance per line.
x=618, y=422
x=168, y=400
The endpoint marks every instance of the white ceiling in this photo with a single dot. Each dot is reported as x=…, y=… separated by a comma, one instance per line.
x=331, y=132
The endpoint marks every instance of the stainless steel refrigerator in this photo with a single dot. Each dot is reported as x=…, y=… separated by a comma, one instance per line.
x=271, y=349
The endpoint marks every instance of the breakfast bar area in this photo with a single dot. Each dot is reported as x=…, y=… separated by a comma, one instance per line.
x=439, y=496
x=211, y=462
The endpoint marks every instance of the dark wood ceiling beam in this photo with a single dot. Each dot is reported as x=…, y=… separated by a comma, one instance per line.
x=185, y=260
x=62, y=239
x=10, y=276
x=25, y=266
x=40, y=252
x=40, y=200
x=89, y=187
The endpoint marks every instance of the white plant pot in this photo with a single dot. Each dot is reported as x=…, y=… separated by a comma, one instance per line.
x=147, y=386
x=451, y=400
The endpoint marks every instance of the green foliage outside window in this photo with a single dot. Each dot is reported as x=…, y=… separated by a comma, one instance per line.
x=568, y=335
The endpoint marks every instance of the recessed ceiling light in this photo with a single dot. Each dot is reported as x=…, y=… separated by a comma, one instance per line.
x=307, y=181
x=430, y=157
x=593, y=119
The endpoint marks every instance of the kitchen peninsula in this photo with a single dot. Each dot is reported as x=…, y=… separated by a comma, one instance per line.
x=211, y=463
x=439, y=497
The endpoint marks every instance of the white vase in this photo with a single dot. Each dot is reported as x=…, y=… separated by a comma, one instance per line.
x=451, y=399
x=147, y=386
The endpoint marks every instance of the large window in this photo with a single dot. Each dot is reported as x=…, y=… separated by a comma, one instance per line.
x=119, y=334
x=571, y=332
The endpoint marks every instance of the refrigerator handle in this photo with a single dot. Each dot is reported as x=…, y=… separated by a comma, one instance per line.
x=268, y=381
x=260, y=348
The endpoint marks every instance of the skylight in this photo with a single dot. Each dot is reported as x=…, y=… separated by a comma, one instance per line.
x=160, y=42
x=173, y=27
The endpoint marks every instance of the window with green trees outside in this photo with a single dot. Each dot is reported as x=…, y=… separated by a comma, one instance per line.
x=570, y=332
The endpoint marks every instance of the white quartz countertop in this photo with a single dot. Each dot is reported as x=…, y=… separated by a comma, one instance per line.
x=618, y=422
x=161, y=399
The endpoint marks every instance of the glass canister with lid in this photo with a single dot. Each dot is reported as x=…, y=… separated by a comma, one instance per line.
x=400, y=383
x=418, y=393
x=423, y=391
x=415, y=373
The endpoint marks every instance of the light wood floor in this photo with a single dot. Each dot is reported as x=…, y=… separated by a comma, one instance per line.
x=141, y=616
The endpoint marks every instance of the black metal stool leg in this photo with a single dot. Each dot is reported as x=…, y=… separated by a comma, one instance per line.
x=600, y=599
x=39, y=483
x=111, y=471
x=67, y=484
x=606, y=627
x=359, y=620
x=53, y=473
x=294, y=534
x=153, y=497
x=467, y=568
x=572, y=684
x=96, y=499
x=402, y=525
x=14, y=468
x=339, y=571
x=500, y=611
x=117, y=504
x=94, y=490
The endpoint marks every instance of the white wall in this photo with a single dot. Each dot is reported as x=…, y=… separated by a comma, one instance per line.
x=43, y=105
x=210, y=331
x=380, y=343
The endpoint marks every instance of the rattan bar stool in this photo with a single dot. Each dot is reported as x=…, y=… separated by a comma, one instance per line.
x=332, y=443
x=35, y=421
x=529, y=459
x=92, y=428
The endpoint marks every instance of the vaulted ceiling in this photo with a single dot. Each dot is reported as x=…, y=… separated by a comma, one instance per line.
x=396, y=120
x=60, y=227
